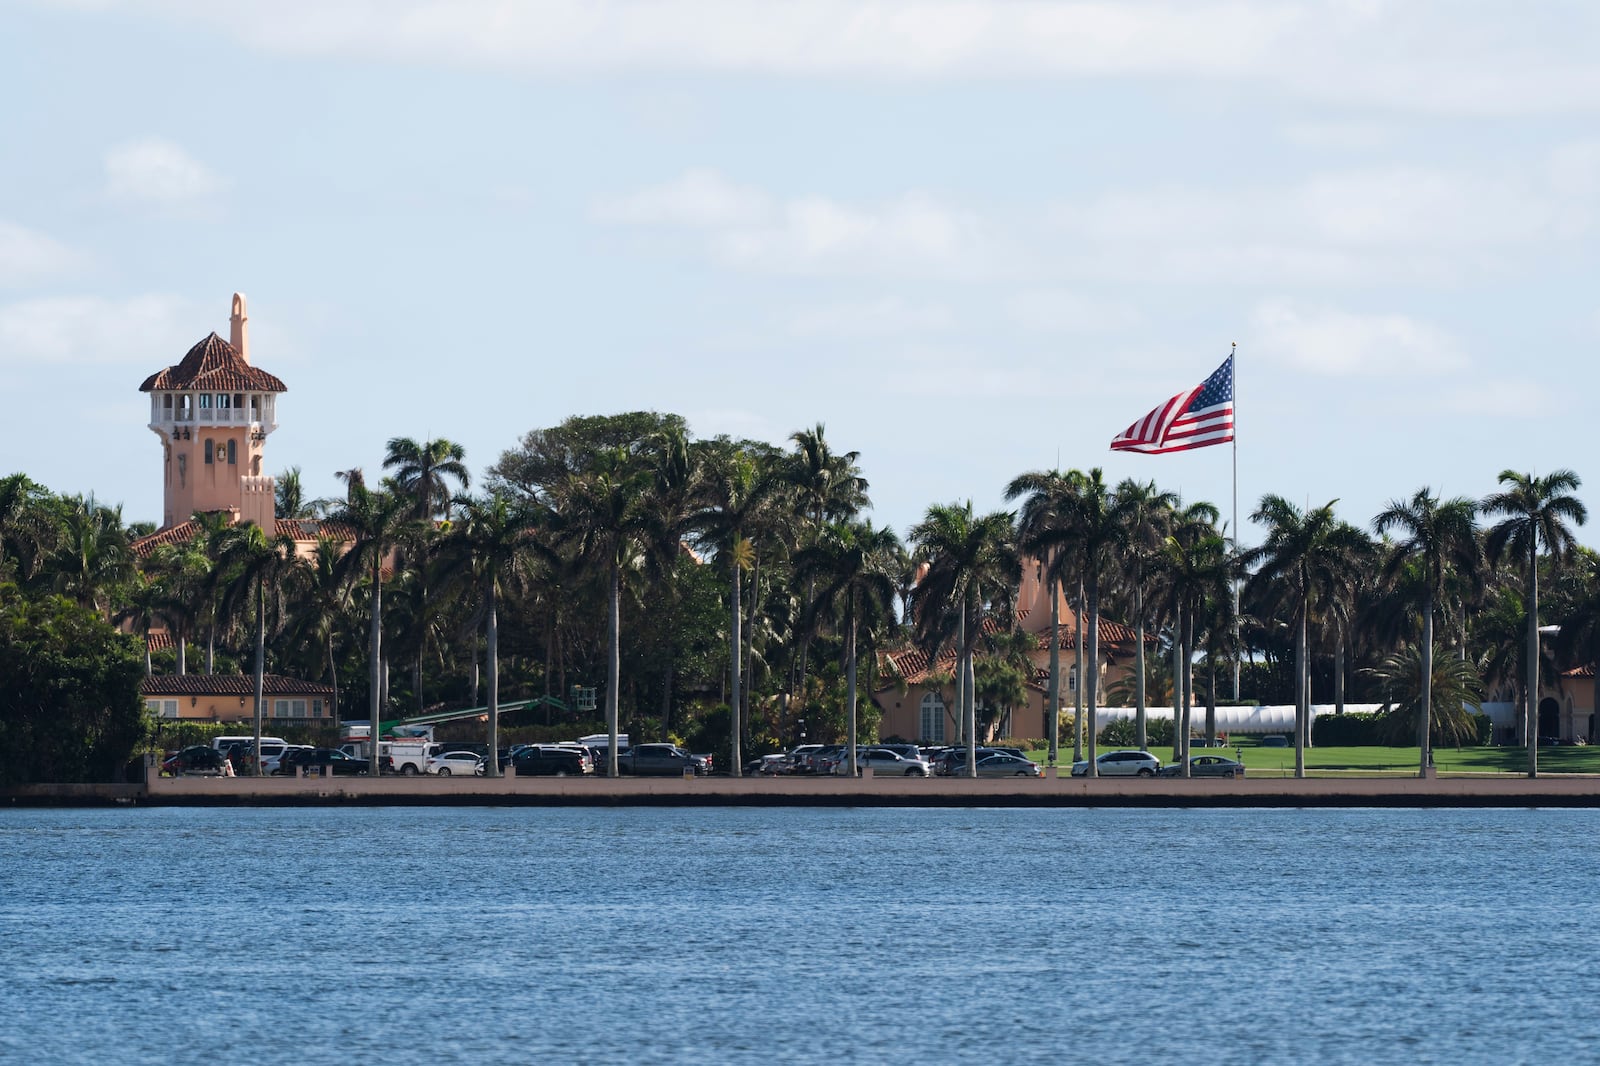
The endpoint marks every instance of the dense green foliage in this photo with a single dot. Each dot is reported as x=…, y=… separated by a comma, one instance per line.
x=69, y=706
x=616, y=557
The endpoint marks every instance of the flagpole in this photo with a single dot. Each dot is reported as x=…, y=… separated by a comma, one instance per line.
x=1234, y=362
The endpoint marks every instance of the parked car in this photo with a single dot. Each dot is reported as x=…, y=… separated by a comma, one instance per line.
x=551, y=760
x=1004, y=765
x=883, y=761
x=661, y=760
x=954, y=760
x=1205, y=766
x=1275, y=740
x=800, y=758
x=456, y=762
x=323, y=760
x=198, y=759
x=1120, y=764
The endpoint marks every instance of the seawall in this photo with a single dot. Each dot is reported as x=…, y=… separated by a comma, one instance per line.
x=1465, y=791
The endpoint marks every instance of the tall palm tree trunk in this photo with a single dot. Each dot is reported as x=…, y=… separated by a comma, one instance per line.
x=491, y=765
x=1091, y=684
x=1533, y=656
x=1184, y=681
x=1338, y=668
x=736, y=660
x=261, y=672
x=1425, y=723
x=613, y=663
x=375, y=669
x=1077, y=667
x=1053, y=700
x=850, y=675
x=333, y=678
x=1177, y=684
x=1141, y=722
x=1302, y=710
x=183, y=653
x=969, y=725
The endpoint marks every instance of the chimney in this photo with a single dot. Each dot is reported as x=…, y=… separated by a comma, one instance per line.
x=238, y=331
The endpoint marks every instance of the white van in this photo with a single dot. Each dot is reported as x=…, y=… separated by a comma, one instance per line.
x=272, y=749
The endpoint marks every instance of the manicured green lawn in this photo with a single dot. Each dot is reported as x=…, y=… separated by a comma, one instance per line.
x=1268, y=762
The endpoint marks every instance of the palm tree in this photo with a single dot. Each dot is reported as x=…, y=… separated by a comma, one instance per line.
x=1049, y=498
x=377, y=522
x=1453, y=686
x=28, y=529
x=1089, y=533
x=972, y=568
x=852, y=567
x=1198, y=572
x=1440, y=536
x=830, y=488
x=1299, y=565
x=737, y=493
x=94, y=556
x=256, y=567
x=605, y=519
x=423, y=472
x=1537, y=512
x=1146, y=514
x=322, y=610
x=490, y=550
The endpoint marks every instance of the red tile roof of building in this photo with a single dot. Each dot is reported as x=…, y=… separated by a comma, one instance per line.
x=213, y=365
x=229, y=685
x=304, y=529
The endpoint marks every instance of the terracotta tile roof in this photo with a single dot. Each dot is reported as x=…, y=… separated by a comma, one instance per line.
x=182, y=533
x=1587, y=670
x=159, y=640
x=305, y=529
x=213, y=364
x=229, y=685
x=311, y=529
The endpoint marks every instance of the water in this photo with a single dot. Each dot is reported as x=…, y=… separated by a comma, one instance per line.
x=797, y=935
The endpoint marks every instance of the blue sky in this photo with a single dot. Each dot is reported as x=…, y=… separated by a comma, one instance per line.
x=973, y=239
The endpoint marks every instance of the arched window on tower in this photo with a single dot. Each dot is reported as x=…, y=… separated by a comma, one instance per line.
x=208, y=451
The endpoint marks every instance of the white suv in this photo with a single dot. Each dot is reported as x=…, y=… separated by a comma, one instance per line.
x=1120, y=764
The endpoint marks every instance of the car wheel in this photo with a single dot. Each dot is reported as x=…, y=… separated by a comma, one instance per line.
x=1022, y=773
x=444, y=771
x=1147, y=772
x=561, y=773
x=408, y=770
x=1227, y=773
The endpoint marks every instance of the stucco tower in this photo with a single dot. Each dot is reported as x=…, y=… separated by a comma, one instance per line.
x=213, y=412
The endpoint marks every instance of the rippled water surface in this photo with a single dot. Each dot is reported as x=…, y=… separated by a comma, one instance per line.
x=798, y=935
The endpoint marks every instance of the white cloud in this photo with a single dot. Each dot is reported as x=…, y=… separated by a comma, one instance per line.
x=1376, y=224
x=698, y=198
x=912, y=235
x=887, y=317
x=1336, y=343
x=27, y=255
x=158, y=172
x=1419, y=56
x=1069, y=311
x=148, y=332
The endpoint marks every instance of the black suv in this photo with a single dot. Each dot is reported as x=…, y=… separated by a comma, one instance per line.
x=330, y=761
x=539, y=760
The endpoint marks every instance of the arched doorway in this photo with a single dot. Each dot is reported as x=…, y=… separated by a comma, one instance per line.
x=1549, y=719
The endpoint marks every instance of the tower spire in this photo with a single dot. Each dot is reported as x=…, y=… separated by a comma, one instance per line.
x=239, y=328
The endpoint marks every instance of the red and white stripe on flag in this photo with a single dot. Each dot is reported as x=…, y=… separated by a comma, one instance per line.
x=1195, y=418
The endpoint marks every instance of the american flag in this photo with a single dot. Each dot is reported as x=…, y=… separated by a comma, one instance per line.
x=1194, y=418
